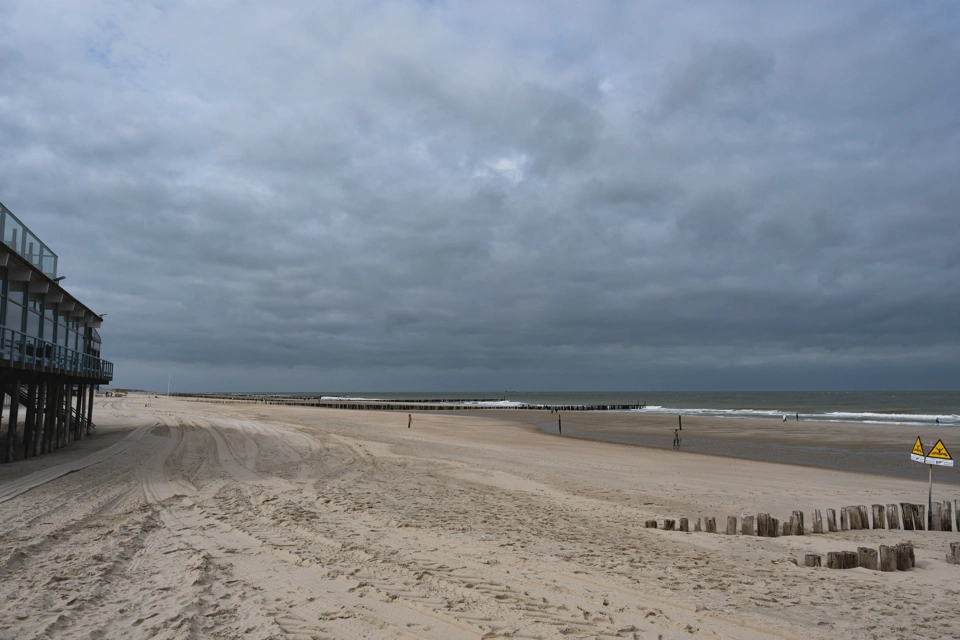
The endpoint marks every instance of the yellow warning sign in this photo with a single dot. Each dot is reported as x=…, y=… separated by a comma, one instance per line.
x=918, y=448
x=939, y=451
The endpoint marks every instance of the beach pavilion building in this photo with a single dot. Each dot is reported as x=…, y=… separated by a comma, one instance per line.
x=49, y=349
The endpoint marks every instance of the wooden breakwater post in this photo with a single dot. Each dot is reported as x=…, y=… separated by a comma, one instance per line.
x=684, y=525
x=888, y=557
x=953, y=556
x=914, y=516
x=817, y=522
x=767, y=526
x=936, y=516
x=650, y=524
x=811, y=560
x=893, y=516
x=946, y=521
x=831, y=520
x=843, y=560
x=668, y=524
x=796, y=523
x=746, y=525
x=731, y=525
x=905, y=556
x=879, y=519
x=711, y=524
x=868, y=558
x=696, y=527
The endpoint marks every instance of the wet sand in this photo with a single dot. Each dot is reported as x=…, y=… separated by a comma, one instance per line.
x=867, y=448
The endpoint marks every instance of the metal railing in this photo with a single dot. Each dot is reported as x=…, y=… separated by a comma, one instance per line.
x=20, y=350
x=18, y=237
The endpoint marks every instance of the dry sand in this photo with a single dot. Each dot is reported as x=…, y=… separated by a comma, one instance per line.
x=191, y=520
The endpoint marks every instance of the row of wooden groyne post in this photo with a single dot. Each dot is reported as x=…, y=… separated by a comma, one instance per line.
x=945, y=516
x=401, y=405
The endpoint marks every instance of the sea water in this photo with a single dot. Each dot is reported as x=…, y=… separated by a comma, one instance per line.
x=921, y=408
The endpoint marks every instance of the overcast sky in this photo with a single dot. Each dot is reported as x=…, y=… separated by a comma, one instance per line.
x=496, y=195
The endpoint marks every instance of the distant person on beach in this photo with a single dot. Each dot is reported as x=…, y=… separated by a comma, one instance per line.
x=784, y=417
x=798, y=417
x=409, y=420
x=676, y=438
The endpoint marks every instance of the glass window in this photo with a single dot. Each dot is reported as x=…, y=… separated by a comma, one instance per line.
x=14, y=316
x=33, y=324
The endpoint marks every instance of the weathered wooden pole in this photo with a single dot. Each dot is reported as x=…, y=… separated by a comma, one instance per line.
x=888, y=558
x=831, y=520
x=650, y=524
x=711, y=524
x=811, y=560
x=684, y=524
x=946, y=523
x=936, y=517
x=817, y=521
x=893, y=517
x=953, y=556
x=746, y=525
x=907, y=516
x=668, y=524
x=879, y=521
x=731, y=525
x=868, y=558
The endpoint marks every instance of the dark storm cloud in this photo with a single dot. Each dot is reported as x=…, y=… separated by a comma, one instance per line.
x=496, y=194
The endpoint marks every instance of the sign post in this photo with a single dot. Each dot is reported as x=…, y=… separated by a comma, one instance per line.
x=938, y=456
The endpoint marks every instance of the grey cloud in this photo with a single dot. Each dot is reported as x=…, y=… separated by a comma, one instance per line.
x=454, y=194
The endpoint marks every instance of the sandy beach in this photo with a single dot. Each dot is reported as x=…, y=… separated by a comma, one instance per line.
x=191, y=520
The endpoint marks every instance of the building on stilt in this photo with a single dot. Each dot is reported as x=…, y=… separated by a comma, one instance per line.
x=50, y=361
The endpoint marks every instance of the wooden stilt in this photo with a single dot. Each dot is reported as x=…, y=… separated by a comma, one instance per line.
x=39, y=418
x=29, y=419
x=14, y=391
x=90, y=409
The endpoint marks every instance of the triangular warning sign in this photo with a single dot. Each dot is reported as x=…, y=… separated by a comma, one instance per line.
x=917, y=447
x=940, y=452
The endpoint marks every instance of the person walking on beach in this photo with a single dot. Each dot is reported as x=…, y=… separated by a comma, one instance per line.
x=409, y=420
x=676, y=438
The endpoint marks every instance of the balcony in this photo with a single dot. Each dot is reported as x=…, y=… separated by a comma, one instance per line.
x=18, y=237
x=20, y=351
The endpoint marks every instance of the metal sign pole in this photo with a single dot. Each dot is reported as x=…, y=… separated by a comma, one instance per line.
x=930, y=500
